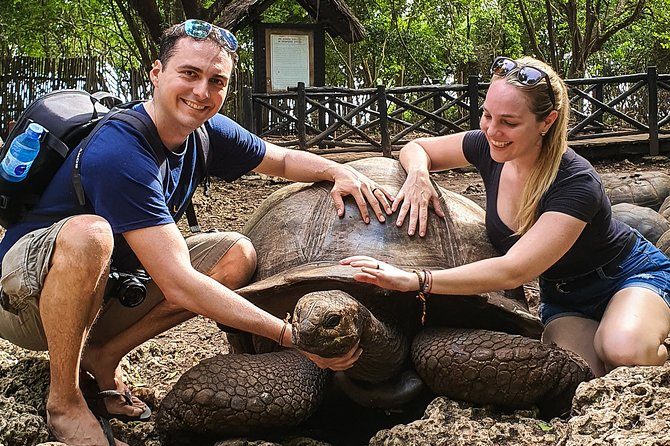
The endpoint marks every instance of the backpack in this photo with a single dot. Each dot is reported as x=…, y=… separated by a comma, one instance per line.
x=71, y=118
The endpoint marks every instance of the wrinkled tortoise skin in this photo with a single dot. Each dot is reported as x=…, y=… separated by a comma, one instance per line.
x=241, y=394
x=489, y=367
x=476, y=365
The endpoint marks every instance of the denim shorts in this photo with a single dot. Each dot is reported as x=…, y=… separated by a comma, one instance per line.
x=644, y=267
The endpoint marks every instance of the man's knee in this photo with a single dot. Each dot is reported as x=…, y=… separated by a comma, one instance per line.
x=85, y=238
x=85, y=234
x=236, y=267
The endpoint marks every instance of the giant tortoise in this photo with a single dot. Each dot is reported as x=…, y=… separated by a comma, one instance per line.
x=479, y=348
x=647, y=189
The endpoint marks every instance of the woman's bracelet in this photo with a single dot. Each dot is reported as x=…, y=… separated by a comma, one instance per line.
x=425, y=285
x=421, y=279
x=428, y=282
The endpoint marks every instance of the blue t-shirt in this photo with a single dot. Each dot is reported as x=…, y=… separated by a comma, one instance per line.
x=123, y=183
x=577, y=191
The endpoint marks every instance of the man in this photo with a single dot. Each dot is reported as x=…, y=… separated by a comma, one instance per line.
x=54, y=275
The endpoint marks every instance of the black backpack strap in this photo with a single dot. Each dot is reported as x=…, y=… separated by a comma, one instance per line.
x=138, y=121
x=56, y=144
x=202, y=147
x=192, y=218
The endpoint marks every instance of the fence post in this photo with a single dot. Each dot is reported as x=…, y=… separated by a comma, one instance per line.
x=600, y=96
x=248, y=108
x=652, y=79
x=437, y=103
x=473, y=95
x=383, y=121
x=322, y=114
x=300, y=114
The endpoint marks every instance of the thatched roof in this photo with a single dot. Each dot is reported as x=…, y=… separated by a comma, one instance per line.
x=335, y=15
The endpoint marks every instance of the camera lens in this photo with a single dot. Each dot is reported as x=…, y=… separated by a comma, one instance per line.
x=132, y=292
x=128, y=288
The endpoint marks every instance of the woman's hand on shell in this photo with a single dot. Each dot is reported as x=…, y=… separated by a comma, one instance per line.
x=382, y=274
x=415, y=198
x=336, y=364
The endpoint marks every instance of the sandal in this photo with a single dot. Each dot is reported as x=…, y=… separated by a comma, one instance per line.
x=100, y=409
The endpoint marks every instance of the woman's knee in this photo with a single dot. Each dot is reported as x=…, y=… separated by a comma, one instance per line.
x=622, y=346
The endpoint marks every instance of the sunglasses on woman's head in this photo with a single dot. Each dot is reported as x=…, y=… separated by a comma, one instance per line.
x=199, y=29
x=526, y=75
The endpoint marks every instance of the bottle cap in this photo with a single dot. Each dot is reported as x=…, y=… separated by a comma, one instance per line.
x=36, y=129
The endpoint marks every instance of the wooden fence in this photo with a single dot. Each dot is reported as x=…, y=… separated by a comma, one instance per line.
x=386, y=118
x=24, y=79
x=339, y=119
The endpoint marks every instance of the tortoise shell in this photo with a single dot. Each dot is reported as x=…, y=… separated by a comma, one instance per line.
x=647, y=221
x=664, y=211
x=663, y=243
x=648, y=189
x=299, y=240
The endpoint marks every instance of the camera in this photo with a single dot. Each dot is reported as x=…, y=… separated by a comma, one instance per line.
x=129, y=288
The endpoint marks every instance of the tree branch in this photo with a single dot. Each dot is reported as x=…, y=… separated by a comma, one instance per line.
x=147, y=55
x=192, y=9
x=530, y=29
x=552, y=35
x=149, y=13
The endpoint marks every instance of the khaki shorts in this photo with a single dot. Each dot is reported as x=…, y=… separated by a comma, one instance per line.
x=26, y=264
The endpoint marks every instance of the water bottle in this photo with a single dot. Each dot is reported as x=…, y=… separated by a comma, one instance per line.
x=21, y=154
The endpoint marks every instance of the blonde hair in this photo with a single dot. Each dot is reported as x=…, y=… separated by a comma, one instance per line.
x=554, y=143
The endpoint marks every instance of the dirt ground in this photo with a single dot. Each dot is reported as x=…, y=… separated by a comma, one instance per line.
x=155, y=366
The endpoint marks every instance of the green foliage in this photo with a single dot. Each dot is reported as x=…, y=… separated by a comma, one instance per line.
x=410, y=42
x=53, y=28
x=645, y=43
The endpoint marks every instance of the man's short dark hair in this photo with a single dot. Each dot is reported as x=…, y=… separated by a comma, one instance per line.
x=171, y=36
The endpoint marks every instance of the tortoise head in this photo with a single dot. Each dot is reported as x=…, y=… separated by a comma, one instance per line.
x=327, y=323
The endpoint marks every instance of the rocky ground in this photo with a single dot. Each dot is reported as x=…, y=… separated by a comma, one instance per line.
x=628, y=407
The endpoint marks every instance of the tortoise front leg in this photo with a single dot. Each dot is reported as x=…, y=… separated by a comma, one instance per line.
x=241, y=394
x=489, y=367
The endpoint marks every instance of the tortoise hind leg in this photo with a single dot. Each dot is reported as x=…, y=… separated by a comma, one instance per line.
x=242, y=394
x=488, y=367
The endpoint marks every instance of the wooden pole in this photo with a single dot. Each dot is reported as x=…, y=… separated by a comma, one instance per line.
x=248, y=108
x=383, y=121
x=652, y=76
x=473, y=95
x=300, y=114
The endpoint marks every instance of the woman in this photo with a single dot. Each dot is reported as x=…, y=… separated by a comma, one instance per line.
x=604, y=288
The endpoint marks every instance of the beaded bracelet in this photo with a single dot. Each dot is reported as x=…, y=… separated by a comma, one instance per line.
x=424, y=285
x=421, y=281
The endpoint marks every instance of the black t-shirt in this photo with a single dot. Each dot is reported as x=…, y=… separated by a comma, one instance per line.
x=576, y=191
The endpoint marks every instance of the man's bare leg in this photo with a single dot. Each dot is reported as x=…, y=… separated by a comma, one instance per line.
x=233, y=270
x=70, y=299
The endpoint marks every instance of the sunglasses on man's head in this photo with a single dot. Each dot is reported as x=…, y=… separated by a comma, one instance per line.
x=199, y=29
x=526, y=75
